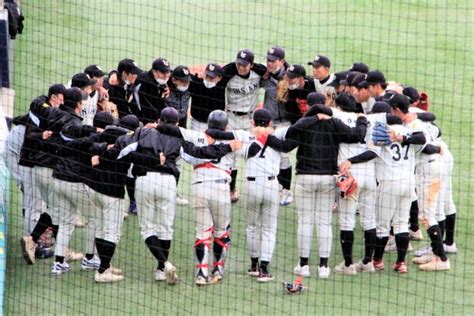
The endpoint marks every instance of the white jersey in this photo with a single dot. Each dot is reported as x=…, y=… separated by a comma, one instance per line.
x=347, y=151
x=324, y=88
x=395, y=161
x=242, y=93
x=89, y=109
x=264, y=164
x=368, y=105
x=430, y=133
x=206, y=169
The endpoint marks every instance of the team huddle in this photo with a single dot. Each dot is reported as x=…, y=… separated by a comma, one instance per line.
x=364, y=146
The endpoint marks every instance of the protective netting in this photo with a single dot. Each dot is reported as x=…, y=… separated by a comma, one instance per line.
x=427, y=45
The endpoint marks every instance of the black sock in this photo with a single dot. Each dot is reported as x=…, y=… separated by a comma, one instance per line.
x=369, y=238
x=217, y=247
x=44, y=222
x=284, y=178
x=130, y=185
x=165, y=250
x=323, y=262
x=304, y=261
x=59, y=259
x=23, y=212
x=450, y=224
x=153, y=244
x=347, y=239
x=442, y=227
x=391, y=231
x=89, y=256
x=55, y=231
x=437, y=242
x=233, y=182
x=402, y=241
x=254, y=262
x=106, y=252
x=264, y=266
x=414, y=216
x=380, y=244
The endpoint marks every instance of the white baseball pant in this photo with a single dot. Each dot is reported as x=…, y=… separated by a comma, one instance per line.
x=428, y=186
x=109, y=214
x=314, y=196
x=155, y=194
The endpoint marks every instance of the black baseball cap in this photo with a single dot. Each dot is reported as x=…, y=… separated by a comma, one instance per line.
x=381, y=107
x=399, y=101
x=57, y=88
x=245, y=57
x=128, y=65
x=213, y=70
x=94, y=71
x=412, y=94
x=275, y=53
x=72, y=96
x=182, y=73
x=102, y=119
x=318, y=108
x=360, y=67
x=320, y=60
x=169, y=115
x=350, y=75
x=162, y=65
x=295, y=71
x=338, y=78
x=129, y=122
x=346, y=102
x=359, y=81
x=262, y=117
x=374, y=77
x=82, y=80
x=315, y=98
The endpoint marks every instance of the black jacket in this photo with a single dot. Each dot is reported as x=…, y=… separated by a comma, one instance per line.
x=204, y=100
x=150, y=98
x=72, y=161
x=146, y=158
x=296, y=104
x=123, y=97
x=318, y=143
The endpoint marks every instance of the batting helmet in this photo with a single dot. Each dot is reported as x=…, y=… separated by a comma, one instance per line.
x=217, y=119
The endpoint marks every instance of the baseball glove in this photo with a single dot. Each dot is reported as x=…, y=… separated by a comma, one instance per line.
x=347, y=184
x=381, y=134
x=423, y=102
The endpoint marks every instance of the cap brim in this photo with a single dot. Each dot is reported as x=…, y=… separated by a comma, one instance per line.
x=136, y=71
x=242, y=62
x=211, y=74
x=185, y=78
x=92, y=82
x=292, y=75
x=363, y=84
x=272, y=58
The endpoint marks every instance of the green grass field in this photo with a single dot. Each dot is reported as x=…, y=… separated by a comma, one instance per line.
x=427, y=44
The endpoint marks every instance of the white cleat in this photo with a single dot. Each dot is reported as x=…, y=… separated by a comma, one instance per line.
x=92, y=264
x=60, y=268
x=423, y=259
x=73, y=256
x=324, y=272
x=160, y=275
x=424, y=251
x=286, y=197
x=344, y=270
x=418, y=235
x=391, y=245
x=361, y=267
x=302, y=270
x=201, y=281
x=107, y=277
x=181, y=200
x=450, y=248
x=436, y=265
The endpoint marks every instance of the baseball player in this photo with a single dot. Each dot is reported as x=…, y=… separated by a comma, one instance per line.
x=242, y=83
x=261, y=200
x=318, y=144
x=211, y=203
x=154, y=161
x=322, y=77
x=207, y=95
x=122, y=94
x=276, y=70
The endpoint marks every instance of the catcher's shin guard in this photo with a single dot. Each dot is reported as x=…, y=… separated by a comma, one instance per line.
x=202, y=249
x=220, y=247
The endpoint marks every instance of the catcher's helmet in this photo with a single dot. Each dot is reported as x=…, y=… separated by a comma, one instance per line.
x=217, y=119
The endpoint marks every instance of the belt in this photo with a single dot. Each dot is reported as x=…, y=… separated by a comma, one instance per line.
x=253, y=178
x=209, y=165
x=215, y=181
x=238, y=113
